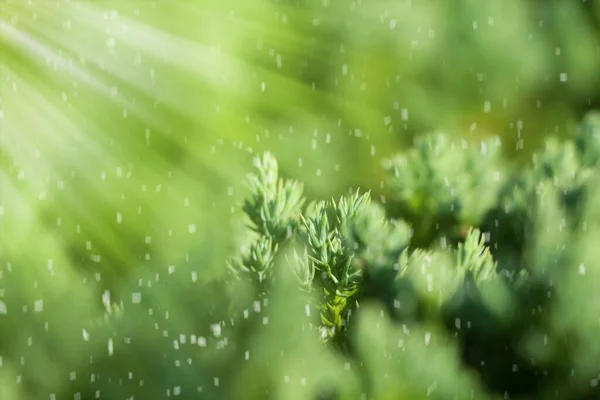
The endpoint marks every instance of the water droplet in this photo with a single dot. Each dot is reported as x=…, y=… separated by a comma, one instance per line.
x=404, y=114
x=136, y=297
x=487, y=106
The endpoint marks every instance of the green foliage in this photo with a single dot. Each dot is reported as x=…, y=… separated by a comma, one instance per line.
x=464, y=180
x=275, y=204
x=469, y=269
x=330, y=299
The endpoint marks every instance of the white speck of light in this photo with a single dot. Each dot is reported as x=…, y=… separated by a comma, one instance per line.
x=474, y=25
x=38, y=306
x=427, y=337
x=247, y=355
x=557, y=51
x=86, y=335
x=263, y=86
x=563, y=77
x=192, y=228
x=404, y=114
x=307, y=310
x=3, y=308
x=106, y=298
x=202, y=341
x=136, y=297
x=431, y=388
x=581, y=269
x=110, y=347
x=487, y=106
x=119, y=218
x=194, y=276
x=216, y=329
x=393, y=23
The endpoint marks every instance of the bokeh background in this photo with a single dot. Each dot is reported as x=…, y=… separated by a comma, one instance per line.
x=127, y=128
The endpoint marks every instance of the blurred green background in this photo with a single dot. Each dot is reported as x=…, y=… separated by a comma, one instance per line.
x=127, y=127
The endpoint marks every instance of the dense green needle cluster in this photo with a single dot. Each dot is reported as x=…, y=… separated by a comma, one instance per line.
x=464, y=177
x=340, y=247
